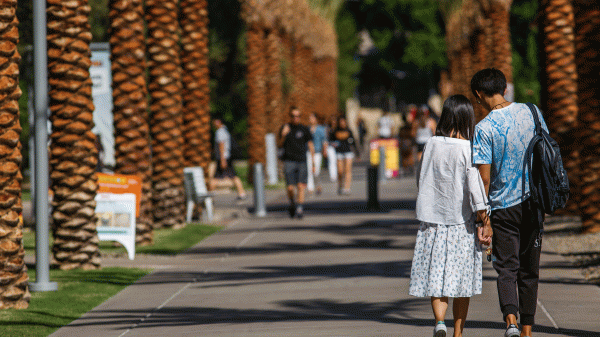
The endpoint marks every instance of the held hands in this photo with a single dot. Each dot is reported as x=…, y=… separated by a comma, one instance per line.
x=485, y=232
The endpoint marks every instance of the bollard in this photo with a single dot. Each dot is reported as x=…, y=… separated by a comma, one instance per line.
x=271, y=152
x=372, y=188
x=381, y=163
x=260, y=209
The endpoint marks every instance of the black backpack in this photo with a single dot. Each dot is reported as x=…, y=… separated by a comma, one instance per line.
x=548, y=180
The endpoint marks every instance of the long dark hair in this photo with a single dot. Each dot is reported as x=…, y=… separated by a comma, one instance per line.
x=457, y=117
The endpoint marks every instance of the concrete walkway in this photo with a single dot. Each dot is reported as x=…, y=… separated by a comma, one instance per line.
x=340, y=271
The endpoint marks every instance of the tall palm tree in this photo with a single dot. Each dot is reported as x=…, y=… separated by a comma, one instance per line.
x=501, y=47
x=275, y=108
x=194, y=57
x=132, y=134
x=14, y=292
x=73, y=145
x=560, y=85
x=164, y=85
x=587, y=37
x=257, y=94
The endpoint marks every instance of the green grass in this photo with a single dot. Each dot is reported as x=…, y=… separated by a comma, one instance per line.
x=78, y=292
x=166, y=241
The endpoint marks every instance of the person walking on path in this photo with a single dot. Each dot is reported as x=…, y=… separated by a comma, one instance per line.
x=331, y=157
x=385, y=125
x=499, y=145
x=423, y=127
x=345, y=152
x=319, y=135
x=296, y=140
x=447, y=260
x=223, y=159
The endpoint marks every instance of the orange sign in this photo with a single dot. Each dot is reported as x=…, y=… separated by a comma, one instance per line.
x=119, y=184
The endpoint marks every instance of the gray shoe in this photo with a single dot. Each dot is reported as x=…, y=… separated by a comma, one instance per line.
x=512, y=331
x=440, y=329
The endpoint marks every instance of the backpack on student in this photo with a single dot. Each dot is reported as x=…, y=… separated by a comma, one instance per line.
x=548, y=180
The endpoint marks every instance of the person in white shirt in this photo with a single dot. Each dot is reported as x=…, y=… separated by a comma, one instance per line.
x=448, y=258
x=385, y=124
x=223, y=159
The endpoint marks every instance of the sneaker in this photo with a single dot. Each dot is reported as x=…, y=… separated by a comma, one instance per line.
x=299, y=212
x=292, y=211
x=512, y=331
x=346, y=192
x=440, y=329
x=241, y=197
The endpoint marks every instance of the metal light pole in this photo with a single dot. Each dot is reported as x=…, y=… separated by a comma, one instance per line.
x=40, y=93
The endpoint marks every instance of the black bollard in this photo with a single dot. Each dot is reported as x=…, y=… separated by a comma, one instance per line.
x=372, y=188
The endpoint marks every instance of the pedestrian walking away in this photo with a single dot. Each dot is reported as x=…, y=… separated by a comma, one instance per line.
x=223, y=158
x=319, y=135
x=296, y=140
x=346, y=150
x=447, y=259
x=423, y=127
x=331, y=157
x=499, y=147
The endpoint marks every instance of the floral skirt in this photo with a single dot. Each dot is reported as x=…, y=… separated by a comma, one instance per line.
x=447, y=261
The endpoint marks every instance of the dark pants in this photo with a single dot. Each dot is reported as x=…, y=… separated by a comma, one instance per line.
x=517, y=244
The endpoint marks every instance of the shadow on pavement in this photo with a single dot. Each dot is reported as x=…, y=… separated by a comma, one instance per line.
x=396, y=312
x=276, y=274
x=343, y=207
x=386, y=229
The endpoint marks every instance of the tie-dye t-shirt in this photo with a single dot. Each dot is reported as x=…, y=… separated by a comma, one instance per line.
x=501, y=140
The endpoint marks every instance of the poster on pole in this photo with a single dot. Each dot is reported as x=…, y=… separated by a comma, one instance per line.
x=121, y=183
x=101, y=75
x=392, y=155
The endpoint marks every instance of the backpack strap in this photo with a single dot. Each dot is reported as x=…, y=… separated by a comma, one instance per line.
x=536, y=119
x=529, y=151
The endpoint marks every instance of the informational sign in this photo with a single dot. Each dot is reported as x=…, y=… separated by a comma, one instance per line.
x=103, y=101
x=119, y=184
x=116, y=219
x=392, y=155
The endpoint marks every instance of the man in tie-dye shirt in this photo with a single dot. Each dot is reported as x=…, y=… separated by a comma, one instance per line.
x=499, y=147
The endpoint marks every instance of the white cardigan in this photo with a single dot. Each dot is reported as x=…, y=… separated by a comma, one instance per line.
x=450, y=188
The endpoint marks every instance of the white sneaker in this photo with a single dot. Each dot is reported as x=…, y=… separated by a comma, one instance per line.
x=440, y=329
x=512, y=331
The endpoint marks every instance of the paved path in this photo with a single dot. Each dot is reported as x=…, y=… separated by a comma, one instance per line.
x=340, y=271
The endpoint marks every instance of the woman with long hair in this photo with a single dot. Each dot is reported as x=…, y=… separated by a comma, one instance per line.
x=345, y=150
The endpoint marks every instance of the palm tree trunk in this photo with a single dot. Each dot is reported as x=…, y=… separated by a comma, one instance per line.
x=73, y=145
x=14, y=292
x=501, y=46
x=257, y=95
x=587, y=38
x=132, y=134
x=194, y=57
x=275, y=106
x=164, y=85
x=560, y=87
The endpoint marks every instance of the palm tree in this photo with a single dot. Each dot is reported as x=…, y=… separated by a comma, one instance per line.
x=501, y=47
x=14, y=292
x=560, y=87
x=275, y=108
x=73, y=145
x=132, y=134
x=164, y=85
x=257, y=95
x=194, y=57
x=587, y=37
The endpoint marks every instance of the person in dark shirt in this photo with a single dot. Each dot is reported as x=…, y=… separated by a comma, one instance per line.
x=296, y=140
x=345, y=150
